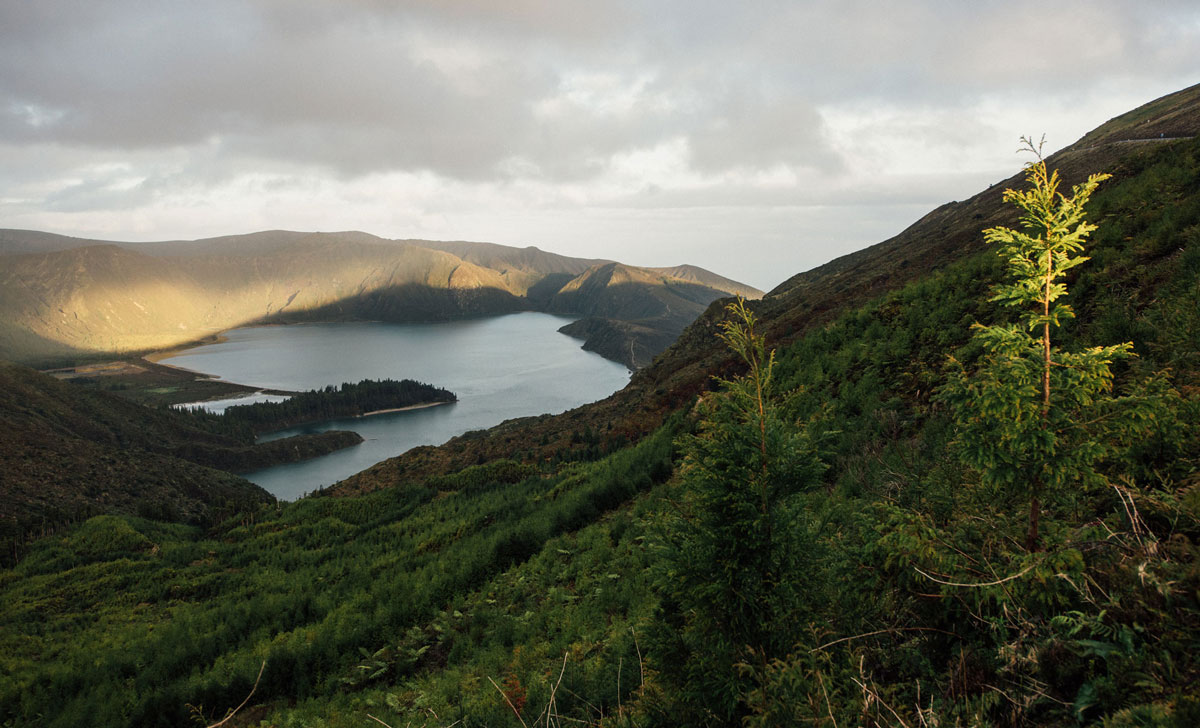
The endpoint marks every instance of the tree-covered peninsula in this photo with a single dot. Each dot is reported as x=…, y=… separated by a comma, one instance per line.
x=369, y=396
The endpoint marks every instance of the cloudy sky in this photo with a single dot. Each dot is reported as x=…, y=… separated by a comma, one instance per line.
x=756, y=139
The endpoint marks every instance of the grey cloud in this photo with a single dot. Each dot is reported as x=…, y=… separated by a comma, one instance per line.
x=132, y=88
x=297, y=82
x=459, y=88
x=578, y=22
x=940, y=51
x=914, y=190
x=745, y=129
x=95, y=194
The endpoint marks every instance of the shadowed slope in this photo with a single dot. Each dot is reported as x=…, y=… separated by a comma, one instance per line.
x=67, y=453
x=631, y=314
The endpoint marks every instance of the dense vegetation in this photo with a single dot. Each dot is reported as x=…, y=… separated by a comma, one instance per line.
x=815, y=543
x=69, y=453
x=259, y=455
x=918, y=597
x=127, y=621
x=318, y=405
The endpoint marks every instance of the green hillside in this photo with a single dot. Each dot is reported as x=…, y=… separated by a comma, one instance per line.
x=68, y=453
x=677, y=555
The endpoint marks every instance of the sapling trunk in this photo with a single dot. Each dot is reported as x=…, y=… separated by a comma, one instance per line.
x=1032, y=537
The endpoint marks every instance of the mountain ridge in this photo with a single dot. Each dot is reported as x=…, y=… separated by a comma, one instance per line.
x=65, y=298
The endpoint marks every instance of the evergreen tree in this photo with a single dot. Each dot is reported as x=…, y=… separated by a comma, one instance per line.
x=734, y=577
x=1035, y=419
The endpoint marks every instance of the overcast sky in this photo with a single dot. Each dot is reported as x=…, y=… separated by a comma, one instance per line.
x=757, y=139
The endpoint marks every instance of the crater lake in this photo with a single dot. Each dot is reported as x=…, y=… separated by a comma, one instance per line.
x=501, y=367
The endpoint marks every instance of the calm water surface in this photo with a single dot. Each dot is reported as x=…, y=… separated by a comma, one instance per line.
x=500, y=368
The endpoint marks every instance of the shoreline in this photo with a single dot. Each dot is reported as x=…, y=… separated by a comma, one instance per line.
x=234, y=388
x=154, y=356
x=235, y=396
x=403, y=409
x=184, y=370
x=147, y=380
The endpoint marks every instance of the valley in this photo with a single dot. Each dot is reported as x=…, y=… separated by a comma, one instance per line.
x=780, y=519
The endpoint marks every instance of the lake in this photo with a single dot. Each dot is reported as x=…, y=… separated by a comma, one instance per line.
x=501, y=367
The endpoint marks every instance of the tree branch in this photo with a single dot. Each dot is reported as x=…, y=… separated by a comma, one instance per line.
x=233, y=712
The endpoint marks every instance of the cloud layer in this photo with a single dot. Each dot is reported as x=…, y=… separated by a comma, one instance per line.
x=652, y=132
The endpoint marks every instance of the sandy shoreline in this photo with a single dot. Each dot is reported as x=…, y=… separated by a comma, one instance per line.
x=233, y=388
x=154, y=356
x=402, y=409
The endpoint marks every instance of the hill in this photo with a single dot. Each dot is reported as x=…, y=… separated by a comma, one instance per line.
x=629, y=313
x=118, y=299
x=1170, y=117
x=554, y=570
x=68, y=453
x=64, y=299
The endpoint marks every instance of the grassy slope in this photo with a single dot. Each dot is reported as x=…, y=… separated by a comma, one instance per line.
x=67, y=453
x=475, y=576
x=188, y=618
x=871, y=370
x=1170, y=116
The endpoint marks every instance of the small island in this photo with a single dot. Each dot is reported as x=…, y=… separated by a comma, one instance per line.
x=367, y=397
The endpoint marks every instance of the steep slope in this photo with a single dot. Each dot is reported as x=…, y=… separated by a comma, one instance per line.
x=538, y=273
x=98, y=298
x=597, y=292
x=694, y=274
x=810, y=300
x=504, y=258
x=944, y=236
x=115, y=299
x=68, y=453
x=1172, y=116
x=630, y=314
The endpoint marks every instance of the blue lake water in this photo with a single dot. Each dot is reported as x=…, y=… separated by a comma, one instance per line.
x=502, y=367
